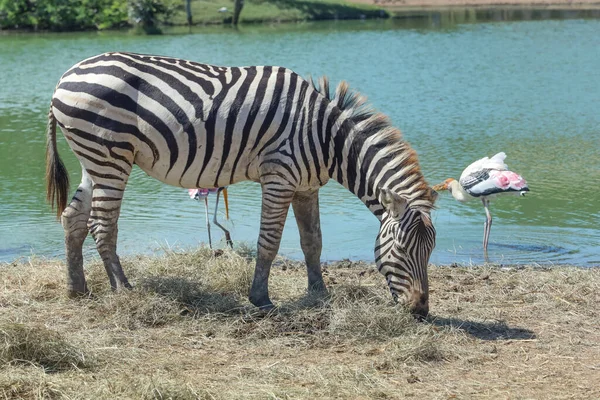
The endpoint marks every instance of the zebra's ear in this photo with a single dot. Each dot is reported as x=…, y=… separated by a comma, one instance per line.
x=426, y=220
x=394, y=204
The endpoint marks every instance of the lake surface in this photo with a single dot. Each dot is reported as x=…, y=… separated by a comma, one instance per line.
x=457, y=91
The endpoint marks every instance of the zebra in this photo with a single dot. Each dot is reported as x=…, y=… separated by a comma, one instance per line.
x=196, y=125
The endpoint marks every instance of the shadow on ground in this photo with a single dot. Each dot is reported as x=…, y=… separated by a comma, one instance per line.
x=497, y=330
x=192, y=295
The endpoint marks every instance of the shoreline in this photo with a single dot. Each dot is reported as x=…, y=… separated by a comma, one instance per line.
x=499, y=6
x=286, y=262
x=442, y=5
x=403, y=9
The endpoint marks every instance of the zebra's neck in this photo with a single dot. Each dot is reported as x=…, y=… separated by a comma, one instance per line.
x=368, y=154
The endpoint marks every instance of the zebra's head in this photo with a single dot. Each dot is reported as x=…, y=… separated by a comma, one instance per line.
x=405, y=241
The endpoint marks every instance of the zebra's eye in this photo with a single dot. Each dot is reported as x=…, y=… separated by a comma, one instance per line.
x=399, y=249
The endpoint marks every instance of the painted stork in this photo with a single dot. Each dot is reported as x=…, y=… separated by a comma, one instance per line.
x=485, y=179
x=201, y=193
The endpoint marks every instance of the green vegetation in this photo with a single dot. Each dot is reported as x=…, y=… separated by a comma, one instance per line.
x=63, y=15
x=71, y=15
x=187, y=331
x=146, y=14
x=274, y=11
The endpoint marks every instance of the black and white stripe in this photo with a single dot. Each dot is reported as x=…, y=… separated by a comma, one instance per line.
x=196, y=125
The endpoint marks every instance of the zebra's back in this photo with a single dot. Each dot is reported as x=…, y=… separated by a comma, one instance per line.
x=184, y=123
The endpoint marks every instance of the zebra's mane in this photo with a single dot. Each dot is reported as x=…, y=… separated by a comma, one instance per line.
x=374, y=123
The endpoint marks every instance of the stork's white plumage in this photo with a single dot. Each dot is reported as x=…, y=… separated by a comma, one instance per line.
x=485, y=179
x=496, y=162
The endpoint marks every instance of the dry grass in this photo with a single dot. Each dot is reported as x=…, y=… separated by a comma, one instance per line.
x=37, y=345
x=187, y=332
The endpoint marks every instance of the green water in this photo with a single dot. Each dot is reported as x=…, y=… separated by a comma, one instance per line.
x=458, y=92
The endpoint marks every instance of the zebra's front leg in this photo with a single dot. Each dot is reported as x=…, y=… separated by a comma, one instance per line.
x=106, y=207
x=74, y=221
x=276, y=201
x=306, y=210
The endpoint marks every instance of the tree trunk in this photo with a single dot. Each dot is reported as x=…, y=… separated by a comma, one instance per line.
x=237, y=9
x=188, y=10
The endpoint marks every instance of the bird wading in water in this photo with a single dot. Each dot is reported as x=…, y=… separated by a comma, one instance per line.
x=202, y=193
x=485, y=179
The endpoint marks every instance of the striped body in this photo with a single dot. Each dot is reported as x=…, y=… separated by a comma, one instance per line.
x=188, y=124
x=195, y=125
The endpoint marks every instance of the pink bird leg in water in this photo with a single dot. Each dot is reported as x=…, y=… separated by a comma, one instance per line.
x=202, y=193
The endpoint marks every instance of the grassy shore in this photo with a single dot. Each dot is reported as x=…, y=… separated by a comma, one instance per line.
x=78, y=16
x=262, y=11
x=206, y=12
x=187, y=331
x=259, y=11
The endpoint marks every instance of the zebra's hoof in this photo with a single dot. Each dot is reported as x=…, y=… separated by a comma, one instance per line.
x=261, y=312
x=263, y=306
x=318, y=288
x=267, y=307
x=260, y=299
x=77, y=294
x=266, y=311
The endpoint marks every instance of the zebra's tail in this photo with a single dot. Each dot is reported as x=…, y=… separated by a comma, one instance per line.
x=57, y=178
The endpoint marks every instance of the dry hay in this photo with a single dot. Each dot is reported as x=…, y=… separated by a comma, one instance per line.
x=187, y=331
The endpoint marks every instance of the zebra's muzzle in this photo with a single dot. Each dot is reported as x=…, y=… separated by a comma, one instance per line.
x=419, y=305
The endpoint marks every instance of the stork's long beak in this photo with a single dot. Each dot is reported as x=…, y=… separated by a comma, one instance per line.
x=441, y=186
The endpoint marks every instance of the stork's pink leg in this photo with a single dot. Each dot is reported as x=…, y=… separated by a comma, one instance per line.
x=225, y=231
x=488, y=225
x=207, y=221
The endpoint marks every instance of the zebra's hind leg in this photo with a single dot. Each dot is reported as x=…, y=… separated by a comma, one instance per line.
x=276, y=199
x=74, y=221
x=106, y=207
x=306, y=210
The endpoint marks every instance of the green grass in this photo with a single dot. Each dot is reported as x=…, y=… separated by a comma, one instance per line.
x=257, y=11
